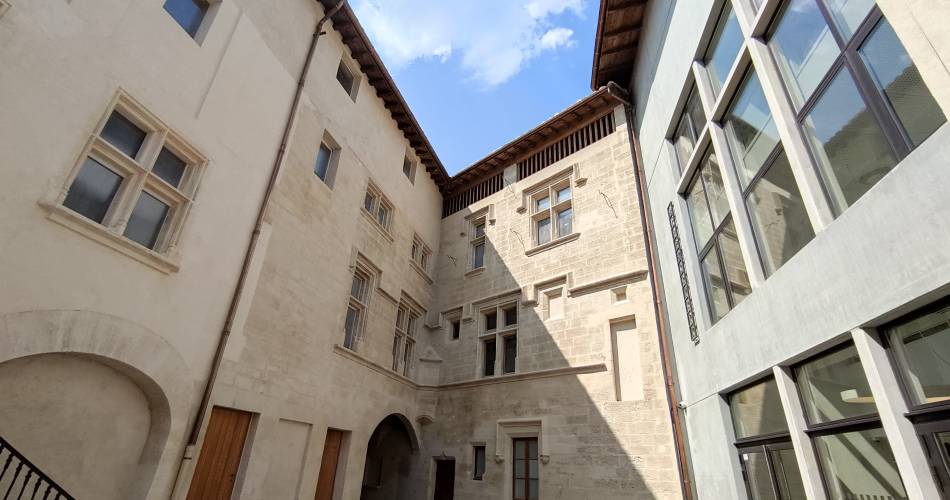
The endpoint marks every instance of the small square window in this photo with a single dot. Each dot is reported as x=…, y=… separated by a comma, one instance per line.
x=92, y=192
x=169, y=167
x=346, y=78
x=147, y=220
x=188, y=13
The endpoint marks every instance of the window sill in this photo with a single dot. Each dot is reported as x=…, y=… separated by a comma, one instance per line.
x=94, y=231
x=553, y=243
x=475, y=272
x=379, y=227
x=422, y=272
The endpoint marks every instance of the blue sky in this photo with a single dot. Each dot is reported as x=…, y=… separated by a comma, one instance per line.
x=478, y=73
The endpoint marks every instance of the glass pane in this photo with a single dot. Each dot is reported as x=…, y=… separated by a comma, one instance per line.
x=358, y=287
x=804, y=48
x=897, y=76
x=146, y=221
x=724, y=47
x=542, y=204
x=478, y=257
x=848, y=14
x=778, y=215
x=565, y=222
x=715, y=286
x=533, y=494
x=757, y=475
x=787, y=476
x=169, y=167
x=757, y=410
x=188, y=13
x=683, y=142
x=699, y=214
x=695, y=113
x=847, y=141
x=834, y=387
x=715, y=189
x=345, y=77
x=489, y=358
x=859, y=465
x=922, y=349
x=520, y=448
x=734, y=264
x=533, y=450
x=369, y=202
x=751, y=130
x=92, y=192
x=491, y=321
x=479, y=462
x=533, y=469
x=382, y=216
x=563, y=194
x=511, y=353
x=349, y=327
x=544, y=231
x=123, y=134
x=519, y=488
x=407, y=168
x=479, y=230
x=511, y=315
x=323, y=162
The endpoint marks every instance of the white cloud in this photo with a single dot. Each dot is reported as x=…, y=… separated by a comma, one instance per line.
x=492, y=40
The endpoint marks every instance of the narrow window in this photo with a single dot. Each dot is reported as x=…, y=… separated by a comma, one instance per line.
x=478, y=243
x=479, y=460
x=404, y=339
x=420, y=253
x=511, y=353
x=456, y=329
x=409, y=169
x=525, y=468
x=488, y=369
x=346, y=78
x=188, y=13
x=322, y=165
x=377, y=206
x=359, y=293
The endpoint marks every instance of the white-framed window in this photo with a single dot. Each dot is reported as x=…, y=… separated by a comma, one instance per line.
x=404, y=339
x=552, y=212
x=192, y=15
x=360, y=291
x=420, y=254
x=348, y=78
x=134, y=182
x=409, y=169
x=498, y=335
x=378, y=207
x=477, y=243
x=327, y=160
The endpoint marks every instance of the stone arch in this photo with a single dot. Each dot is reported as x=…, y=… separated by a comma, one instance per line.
x=390, y=455
x=132, y=351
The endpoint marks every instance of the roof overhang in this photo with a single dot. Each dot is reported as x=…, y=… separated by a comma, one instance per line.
x=618, y=38
x=362, y=51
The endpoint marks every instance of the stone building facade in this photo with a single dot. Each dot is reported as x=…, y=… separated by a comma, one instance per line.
x=395, y=333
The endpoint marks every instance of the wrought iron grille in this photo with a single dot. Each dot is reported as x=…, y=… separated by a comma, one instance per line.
x=21, y=480
x=684, y=278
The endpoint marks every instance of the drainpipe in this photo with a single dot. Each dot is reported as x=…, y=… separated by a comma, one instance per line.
x=679, y=434
x=255, y=235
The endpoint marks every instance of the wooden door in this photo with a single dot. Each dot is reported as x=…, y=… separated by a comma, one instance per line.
x=221, y=455
x=329, y=464
x=444, y=480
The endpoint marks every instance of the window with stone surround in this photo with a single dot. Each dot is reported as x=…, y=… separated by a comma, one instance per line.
x=348, y=77
x=453, y=324
x=409, y=169
x=552, y=212
x=479, y=462
x=420, y=255
x=328, y=157
x=477, y=243
x=404, y=339
x=378, y=208
x=133, y=185
x=498, y=333
x=360, y=290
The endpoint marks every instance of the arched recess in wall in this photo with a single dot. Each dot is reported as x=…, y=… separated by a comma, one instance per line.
x=91, y=399
x=389, y=459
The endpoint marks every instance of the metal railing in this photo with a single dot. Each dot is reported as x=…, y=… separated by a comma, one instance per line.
x=21, y=480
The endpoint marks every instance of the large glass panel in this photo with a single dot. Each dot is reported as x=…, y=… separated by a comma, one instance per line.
x=847, y=141
x=734, y=264
x=788, y=477
x=922, y=349
x=715, y=189
x=897, y=77
x=715, y=286
x=757, y=410
x=778, y=215
x=188, y=13
x=123, y=134
x=804, y=48
x=848, y=14
x=147, y=220
x=169, y=167
x=751, y=130
x=859, y=465
x=724, y=47
x=92, y=192
x=323, y=162
x=834, y=387
x=699, y=214
x=757, y=478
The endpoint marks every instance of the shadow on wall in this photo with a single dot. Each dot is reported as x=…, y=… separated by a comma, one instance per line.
x=391, y=450
x=600, y=421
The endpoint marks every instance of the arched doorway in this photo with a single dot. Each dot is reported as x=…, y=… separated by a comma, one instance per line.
x=389, y=457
